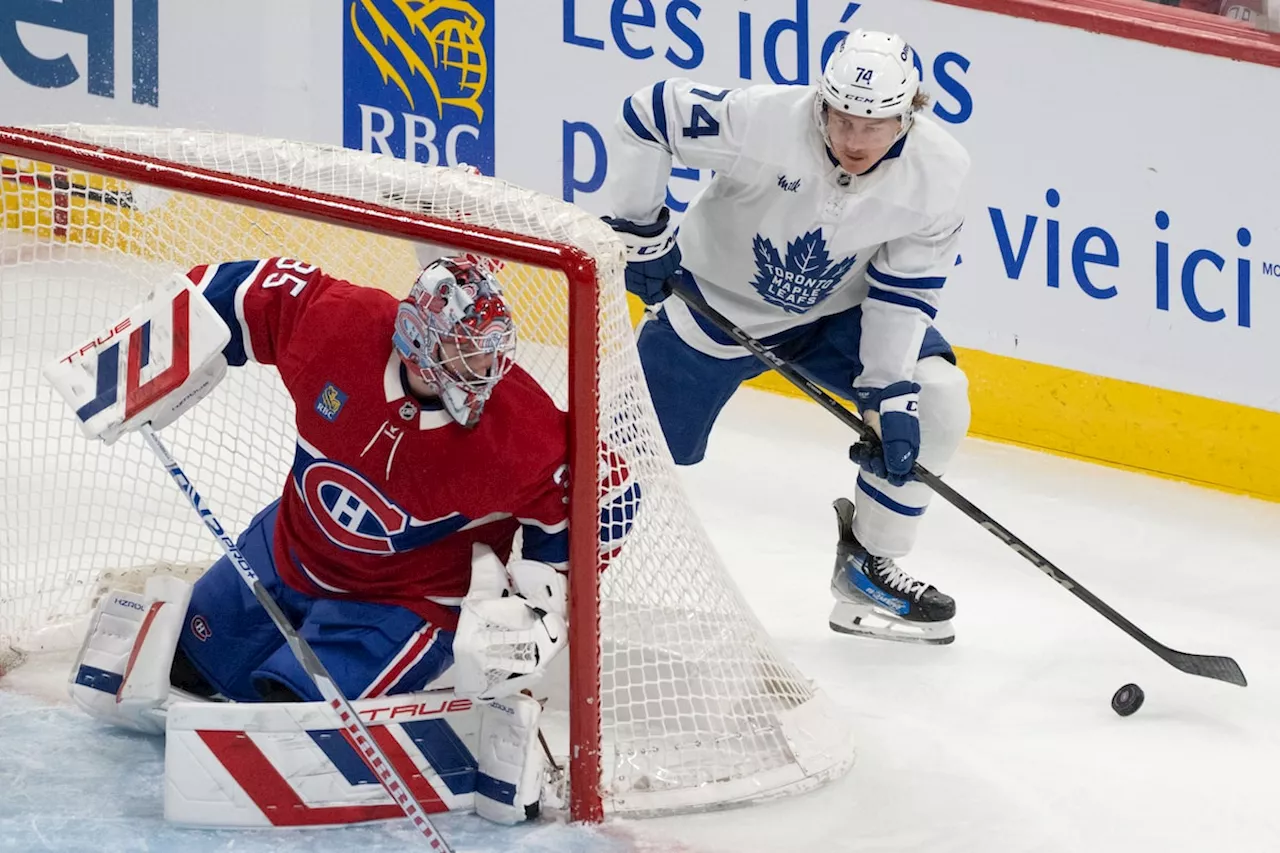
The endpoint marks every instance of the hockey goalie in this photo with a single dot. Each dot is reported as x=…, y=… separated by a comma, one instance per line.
x=422, y=451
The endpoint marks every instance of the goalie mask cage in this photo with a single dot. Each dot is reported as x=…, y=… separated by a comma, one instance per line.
x=678, y=700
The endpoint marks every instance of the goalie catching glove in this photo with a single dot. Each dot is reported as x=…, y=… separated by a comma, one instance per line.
x=506, y=639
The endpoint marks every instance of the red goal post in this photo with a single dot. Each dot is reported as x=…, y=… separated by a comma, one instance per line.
x=679, y=702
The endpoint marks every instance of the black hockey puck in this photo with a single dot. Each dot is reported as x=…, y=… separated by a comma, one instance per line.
x=1127, y=700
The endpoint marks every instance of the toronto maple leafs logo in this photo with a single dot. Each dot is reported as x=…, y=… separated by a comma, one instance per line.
x=806, y=278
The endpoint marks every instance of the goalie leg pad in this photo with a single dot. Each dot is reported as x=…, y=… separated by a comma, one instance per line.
x=121, y=675
x=218, y=756
x=511, y=768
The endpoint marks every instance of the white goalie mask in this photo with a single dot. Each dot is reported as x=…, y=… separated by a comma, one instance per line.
x=869, y=75
x=454, y=331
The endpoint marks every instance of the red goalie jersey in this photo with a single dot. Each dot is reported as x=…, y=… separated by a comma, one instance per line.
x=387, y=494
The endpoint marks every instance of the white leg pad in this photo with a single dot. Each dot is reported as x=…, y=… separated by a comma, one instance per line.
x=511, y=766
x=122, y=673
x=218, y=755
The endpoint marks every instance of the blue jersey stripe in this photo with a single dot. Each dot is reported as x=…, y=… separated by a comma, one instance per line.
x=923, y=283
x=660, y=110
x=618, y=515
x=903, y=299
x=221, y=293
x=715, y=334
x=633, y=122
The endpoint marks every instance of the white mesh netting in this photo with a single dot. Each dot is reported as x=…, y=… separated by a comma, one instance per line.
x=697, y=708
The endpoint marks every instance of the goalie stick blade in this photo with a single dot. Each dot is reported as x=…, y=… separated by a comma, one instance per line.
x=1209, y=666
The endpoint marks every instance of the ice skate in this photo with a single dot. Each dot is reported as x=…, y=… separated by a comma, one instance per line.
x=875, y=598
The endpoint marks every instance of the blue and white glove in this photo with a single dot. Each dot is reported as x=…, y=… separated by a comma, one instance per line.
x=895, y=408
x=653, y=258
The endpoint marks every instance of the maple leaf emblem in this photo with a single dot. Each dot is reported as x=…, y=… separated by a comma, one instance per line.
x=805, y=278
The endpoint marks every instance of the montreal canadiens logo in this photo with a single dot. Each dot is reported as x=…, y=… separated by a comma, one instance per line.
x=350, y=511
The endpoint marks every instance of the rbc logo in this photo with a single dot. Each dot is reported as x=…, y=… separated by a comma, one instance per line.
x=350, y=511
x=417, y=80
x=330, y=402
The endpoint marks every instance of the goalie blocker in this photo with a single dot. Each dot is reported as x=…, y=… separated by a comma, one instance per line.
x=171, y=361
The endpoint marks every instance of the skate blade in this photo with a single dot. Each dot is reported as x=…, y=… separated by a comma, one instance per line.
x=864, y=621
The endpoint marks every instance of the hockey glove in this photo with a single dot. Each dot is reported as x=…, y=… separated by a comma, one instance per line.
x=895, y=410
x=504, y=644
x=653, y=258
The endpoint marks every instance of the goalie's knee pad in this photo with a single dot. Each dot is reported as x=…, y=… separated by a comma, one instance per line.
x=122, y=673
x=509, y=762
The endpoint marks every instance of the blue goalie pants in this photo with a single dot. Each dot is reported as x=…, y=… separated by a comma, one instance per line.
x=369, y=649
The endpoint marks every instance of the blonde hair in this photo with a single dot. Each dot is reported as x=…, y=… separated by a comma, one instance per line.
x=921, y=99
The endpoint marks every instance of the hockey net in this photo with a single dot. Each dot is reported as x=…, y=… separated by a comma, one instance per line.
x=678, y=699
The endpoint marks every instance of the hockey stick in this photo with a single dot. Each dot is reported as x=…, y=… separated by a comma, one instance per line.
x=351, y=722
x=1208, y=666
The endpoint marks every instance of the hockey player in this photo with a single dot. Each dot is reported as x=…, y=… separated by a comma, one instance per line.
x=419, y=438
x=827, y=232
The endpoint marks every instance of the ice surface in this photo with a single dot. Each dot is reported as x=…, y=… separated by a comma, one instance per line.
x=1001, y=743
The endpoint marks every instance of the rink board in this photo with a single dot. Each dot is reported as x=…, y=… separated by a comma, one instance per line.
x=1113, y=422
x=1110, y=421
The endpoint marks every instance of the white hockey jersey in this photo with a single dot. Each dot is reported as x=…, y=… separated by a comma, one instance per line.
x=782, y=235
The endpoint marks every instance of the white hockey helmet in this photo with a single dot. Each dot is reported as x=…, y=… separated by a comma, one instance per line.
x=455, y=332
x=870, y=75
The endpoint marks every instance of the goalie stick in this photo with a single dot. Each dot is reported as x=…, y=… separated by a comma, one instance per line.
x=143, y=373
x=1208, y=666
x=315, y=670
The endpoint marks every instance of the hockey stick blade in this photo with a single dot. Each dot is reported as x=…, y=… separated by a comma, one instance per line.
x=1209, y=666
x=1220, y=668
